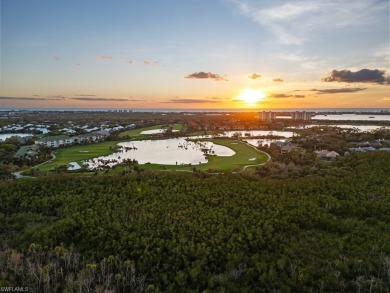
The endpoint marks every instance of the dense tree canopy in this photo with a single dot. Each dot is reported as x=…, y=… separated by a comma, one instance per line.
x=215, y=233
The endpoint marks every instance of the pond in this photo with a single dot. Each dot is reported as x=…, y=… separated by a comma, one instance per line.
x=249, y=133
x=176, y=151
x=74, y=166
x=256, y=142
x=359, y=127
x=156, y=131
x=355, y=117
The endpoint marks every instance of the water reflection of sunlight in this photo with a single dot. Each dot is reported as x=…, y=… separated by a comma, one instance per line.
x=167, y=152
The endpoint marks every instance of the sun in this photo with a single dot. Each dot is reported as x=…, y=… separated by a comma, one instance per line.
x=251, y=97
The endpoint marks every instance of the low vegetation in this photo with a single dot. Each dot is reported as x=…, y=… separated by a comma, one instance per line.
x=196, y=232
x=294, y=224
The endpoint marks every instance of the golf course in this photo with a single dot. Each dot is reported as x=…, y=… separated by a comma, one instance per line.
x=244, y=154
x=136, y=133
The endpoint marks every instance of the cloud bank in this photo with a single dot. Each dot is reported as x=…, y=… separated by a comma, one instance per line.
x=98, y=99
x=338, y=91
x=35, y=98
x=363, y=75
x=192, y=101
x=283, y=96
x=206, y=75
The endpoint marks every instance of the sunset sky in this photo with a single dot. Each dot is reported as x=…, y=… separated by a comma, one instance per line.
x=193, y=54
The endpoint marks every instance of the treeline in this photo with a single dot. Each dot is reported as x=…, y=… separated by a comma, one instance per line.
x=63, y=270
x=212, y=233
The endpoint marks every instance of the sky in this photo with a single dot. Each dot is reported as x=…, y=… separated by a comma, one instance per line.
x=195, y=54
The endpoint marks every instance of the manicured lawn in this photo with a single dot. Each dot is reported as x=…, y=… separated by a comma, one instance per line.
x=177, y=127
x=136, y=133
x=243, y=153
x=79, y=153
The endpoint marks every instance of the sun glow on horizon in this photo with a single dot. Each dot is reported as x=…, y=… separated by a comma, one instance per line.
x=251, y=97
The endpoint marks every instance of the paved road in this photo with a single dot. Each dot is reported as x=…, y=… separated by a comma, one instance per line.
x=18, y=174
x=255, y=165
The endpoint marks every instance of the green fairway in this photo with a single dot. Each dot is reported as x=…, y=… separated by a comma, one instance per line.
x=136, y=133
x=244, y=155
x=178, y=127
x=243, y=152
x=79, y=153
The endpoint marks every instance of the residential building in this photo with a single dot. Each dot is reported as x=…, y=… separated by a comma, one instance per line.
x=90, y=137
x=104, y=132
x=267, y=116
x=285, y=147
x=61, y=140
x=363, y=149
x=327, y=155
x=55, y=141
x=297, y=115
x=28, y=151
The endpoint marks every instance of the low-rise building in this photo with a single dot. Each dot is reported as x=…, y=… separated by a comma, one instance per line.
x=90, y=137
x=104, y=132
x=363, y=149
x=55, y=141
x=61, y=140
x=28, y=151
x=285, y=147
x=327, y=155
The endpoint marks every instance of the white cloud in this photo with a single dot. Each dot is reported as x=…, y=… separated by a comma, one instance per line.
x=314, y=63
x=288, y=11
x=373, y=57
x=381, y=56
x=295, y=22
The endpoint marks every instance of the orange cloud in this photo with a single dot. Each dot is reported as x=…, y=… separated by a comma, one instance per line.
x=282, y=96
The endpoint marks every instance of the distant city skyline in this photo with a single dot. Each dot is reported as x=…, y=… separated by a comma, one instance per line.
x=219, y=54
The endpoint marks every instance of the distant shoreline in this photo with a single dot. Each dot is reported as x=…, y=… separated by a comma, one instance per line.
x=172, y=110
